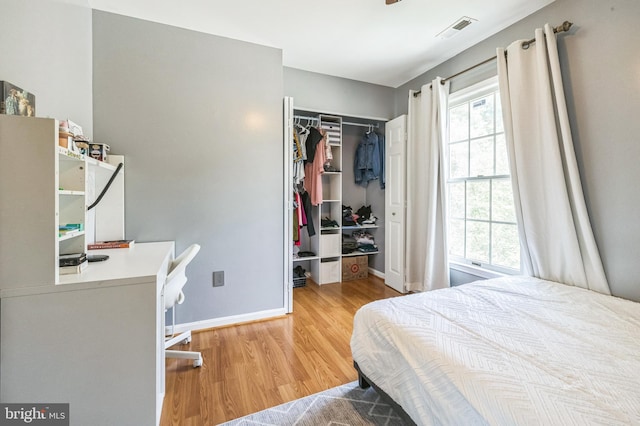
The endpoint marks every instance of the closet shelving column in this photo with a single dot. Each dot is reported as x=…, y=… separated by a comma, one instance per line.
x=329, y=267
x=72, y=200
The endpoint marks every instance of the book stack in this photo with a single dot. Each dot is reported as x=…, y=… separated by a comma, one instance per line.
x=70, y=229
x=110, y=244
x=73, y=263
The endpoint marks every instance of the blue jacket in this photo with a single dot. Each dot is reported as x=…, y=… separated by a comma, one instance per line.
x=367, y=162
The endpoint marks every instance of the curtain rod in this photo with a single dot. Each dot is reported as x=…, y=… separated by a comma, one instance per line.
x=565, y=26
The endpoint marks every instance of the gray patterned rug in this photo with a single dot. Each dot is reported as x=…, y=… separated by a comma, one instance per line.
x=345, y=405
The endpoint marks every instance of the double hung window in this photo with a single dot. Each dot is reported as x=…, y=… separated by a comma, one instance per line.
x=482, y=228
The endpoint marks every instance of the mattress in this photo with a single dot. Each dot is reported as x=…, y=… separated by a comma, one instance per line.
x=507, y=351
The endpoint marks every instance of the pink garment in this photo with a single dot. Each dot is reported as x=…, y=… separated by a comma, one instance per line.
x=313, y=171
x=303, y=214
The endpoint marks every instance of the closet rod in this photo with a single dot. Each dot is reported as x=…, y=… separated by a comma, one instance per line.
x=375, y=126
x=303, y=117
x=565, y=26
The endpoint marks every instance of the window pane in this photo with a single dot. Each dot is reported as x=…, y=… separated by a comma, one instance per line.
x=502, y=158
x=456, y=237
x=499, y=123
x=505, y=246
x=459, y=123
x=482, y=116
x=478, y=200
x=502, y=208
x=459, y=160
x=481, y=157
x=456, y=200
x=481, y=218
x=478, y=241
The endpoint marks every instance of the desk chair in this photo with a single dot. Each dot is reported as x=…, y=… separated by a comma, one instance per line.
x=173, y=294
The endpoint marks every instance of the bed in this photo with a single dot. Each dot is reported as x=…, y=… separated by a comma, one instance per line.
x=506, y=351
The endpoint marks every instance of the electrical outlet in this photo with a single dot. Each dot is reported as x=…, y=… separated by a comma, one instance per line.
x=218, y=278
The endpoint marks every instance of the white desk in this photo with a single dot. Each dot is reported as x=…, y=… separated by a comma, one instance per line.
x=95, y=340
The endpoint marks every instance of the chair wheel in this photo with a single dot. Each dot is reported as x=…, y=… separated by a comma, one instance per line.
x=197, y=363
x=186, y=341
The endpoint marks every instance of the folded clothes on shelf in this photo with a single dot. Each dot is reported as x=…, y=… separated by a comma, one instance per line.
x=367, y=248
x=329, y=223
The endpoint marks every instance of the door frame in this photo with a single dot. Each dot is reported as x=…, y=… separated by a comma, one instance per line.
x=288, y=203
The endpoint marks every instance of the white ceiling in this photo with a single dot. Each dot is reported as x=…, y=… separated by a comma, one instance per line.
x=363, y=40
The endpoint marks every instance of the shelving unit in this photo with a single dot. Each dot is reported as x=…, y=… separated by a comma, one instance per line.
x=44, y=186
x=326, y=266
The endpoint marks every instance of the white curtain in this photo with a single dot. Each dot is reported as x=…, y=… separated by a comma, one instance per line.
x=427, y=263
x=556, y=236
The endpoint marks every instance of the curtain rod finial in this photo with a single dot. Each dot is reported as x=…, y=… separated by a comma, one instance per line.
x=566, y=25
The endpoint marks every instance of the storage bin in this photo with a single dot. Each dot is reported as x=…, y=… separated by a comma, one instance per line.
x=299, y=282
x=330, y=245
x=330, y=271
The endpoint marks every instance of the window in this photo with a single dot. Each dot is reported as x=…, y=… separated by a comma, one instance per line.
x=482, y=225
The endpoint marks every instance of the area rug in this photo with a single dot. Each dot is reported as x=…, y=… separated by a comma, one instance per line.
x=345, y=405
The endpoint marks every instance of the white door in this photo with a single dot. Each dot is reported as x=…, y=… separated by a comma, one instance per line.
x=394, y=200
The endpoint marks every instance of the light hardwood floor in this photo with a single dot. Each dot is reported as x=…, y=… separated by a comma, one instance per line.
x=250, y=367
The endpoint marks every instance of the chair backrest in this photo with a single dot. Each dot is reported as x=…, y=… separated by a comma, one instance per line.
x=176, y=279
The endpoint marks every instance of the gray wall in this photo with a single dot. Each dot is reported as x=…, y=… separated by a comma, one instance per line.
x=601, y=71
x=340, y=96
x=199, y=120
x=45, y=48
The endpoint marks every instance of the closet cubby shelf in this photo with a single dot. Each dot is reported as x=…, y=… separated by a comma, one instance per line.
x=67, y=155
x=68, y=192
x=70, y=236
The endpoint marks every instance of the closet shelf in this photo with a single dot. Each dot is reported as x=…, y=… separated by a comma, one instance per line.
x=301, y=259
x=359, y=253
x=350, y=228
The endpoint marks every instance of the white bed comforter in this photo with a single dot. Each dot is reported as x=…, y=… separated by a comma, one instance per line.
x=508, y=351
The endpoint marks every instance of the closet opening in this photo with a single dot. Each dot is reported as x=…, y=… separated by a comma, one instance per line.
x=337, y=198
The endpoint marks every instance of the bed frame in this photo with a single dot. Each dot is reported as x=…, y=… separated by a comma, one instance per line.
x=364, y=382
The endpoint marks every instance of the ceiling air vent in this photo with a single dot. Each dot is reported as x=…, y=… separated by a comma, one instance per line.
x=456, y=27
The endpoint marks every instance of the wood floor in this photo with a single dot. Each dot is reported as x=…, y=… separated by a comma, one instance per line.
x=250, y=367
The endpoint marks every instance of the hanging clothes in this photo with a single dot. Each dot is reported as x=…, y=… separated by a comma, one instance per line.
x=366, y=164
x=306, y=205
x=381, y=149
x=311, y=143
x=314, y=169
x=299, y=153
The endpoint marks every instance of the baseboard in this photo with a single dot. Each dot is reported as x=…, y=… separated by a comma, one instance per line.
x=376, y=273
x=224, y=321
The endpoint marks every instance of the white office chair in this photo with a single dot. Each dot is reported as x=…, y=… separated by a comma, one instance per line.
x=173, y=294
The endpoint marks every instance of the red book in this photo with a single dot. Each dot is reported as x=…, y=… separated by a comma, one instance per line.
x=110, y=244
